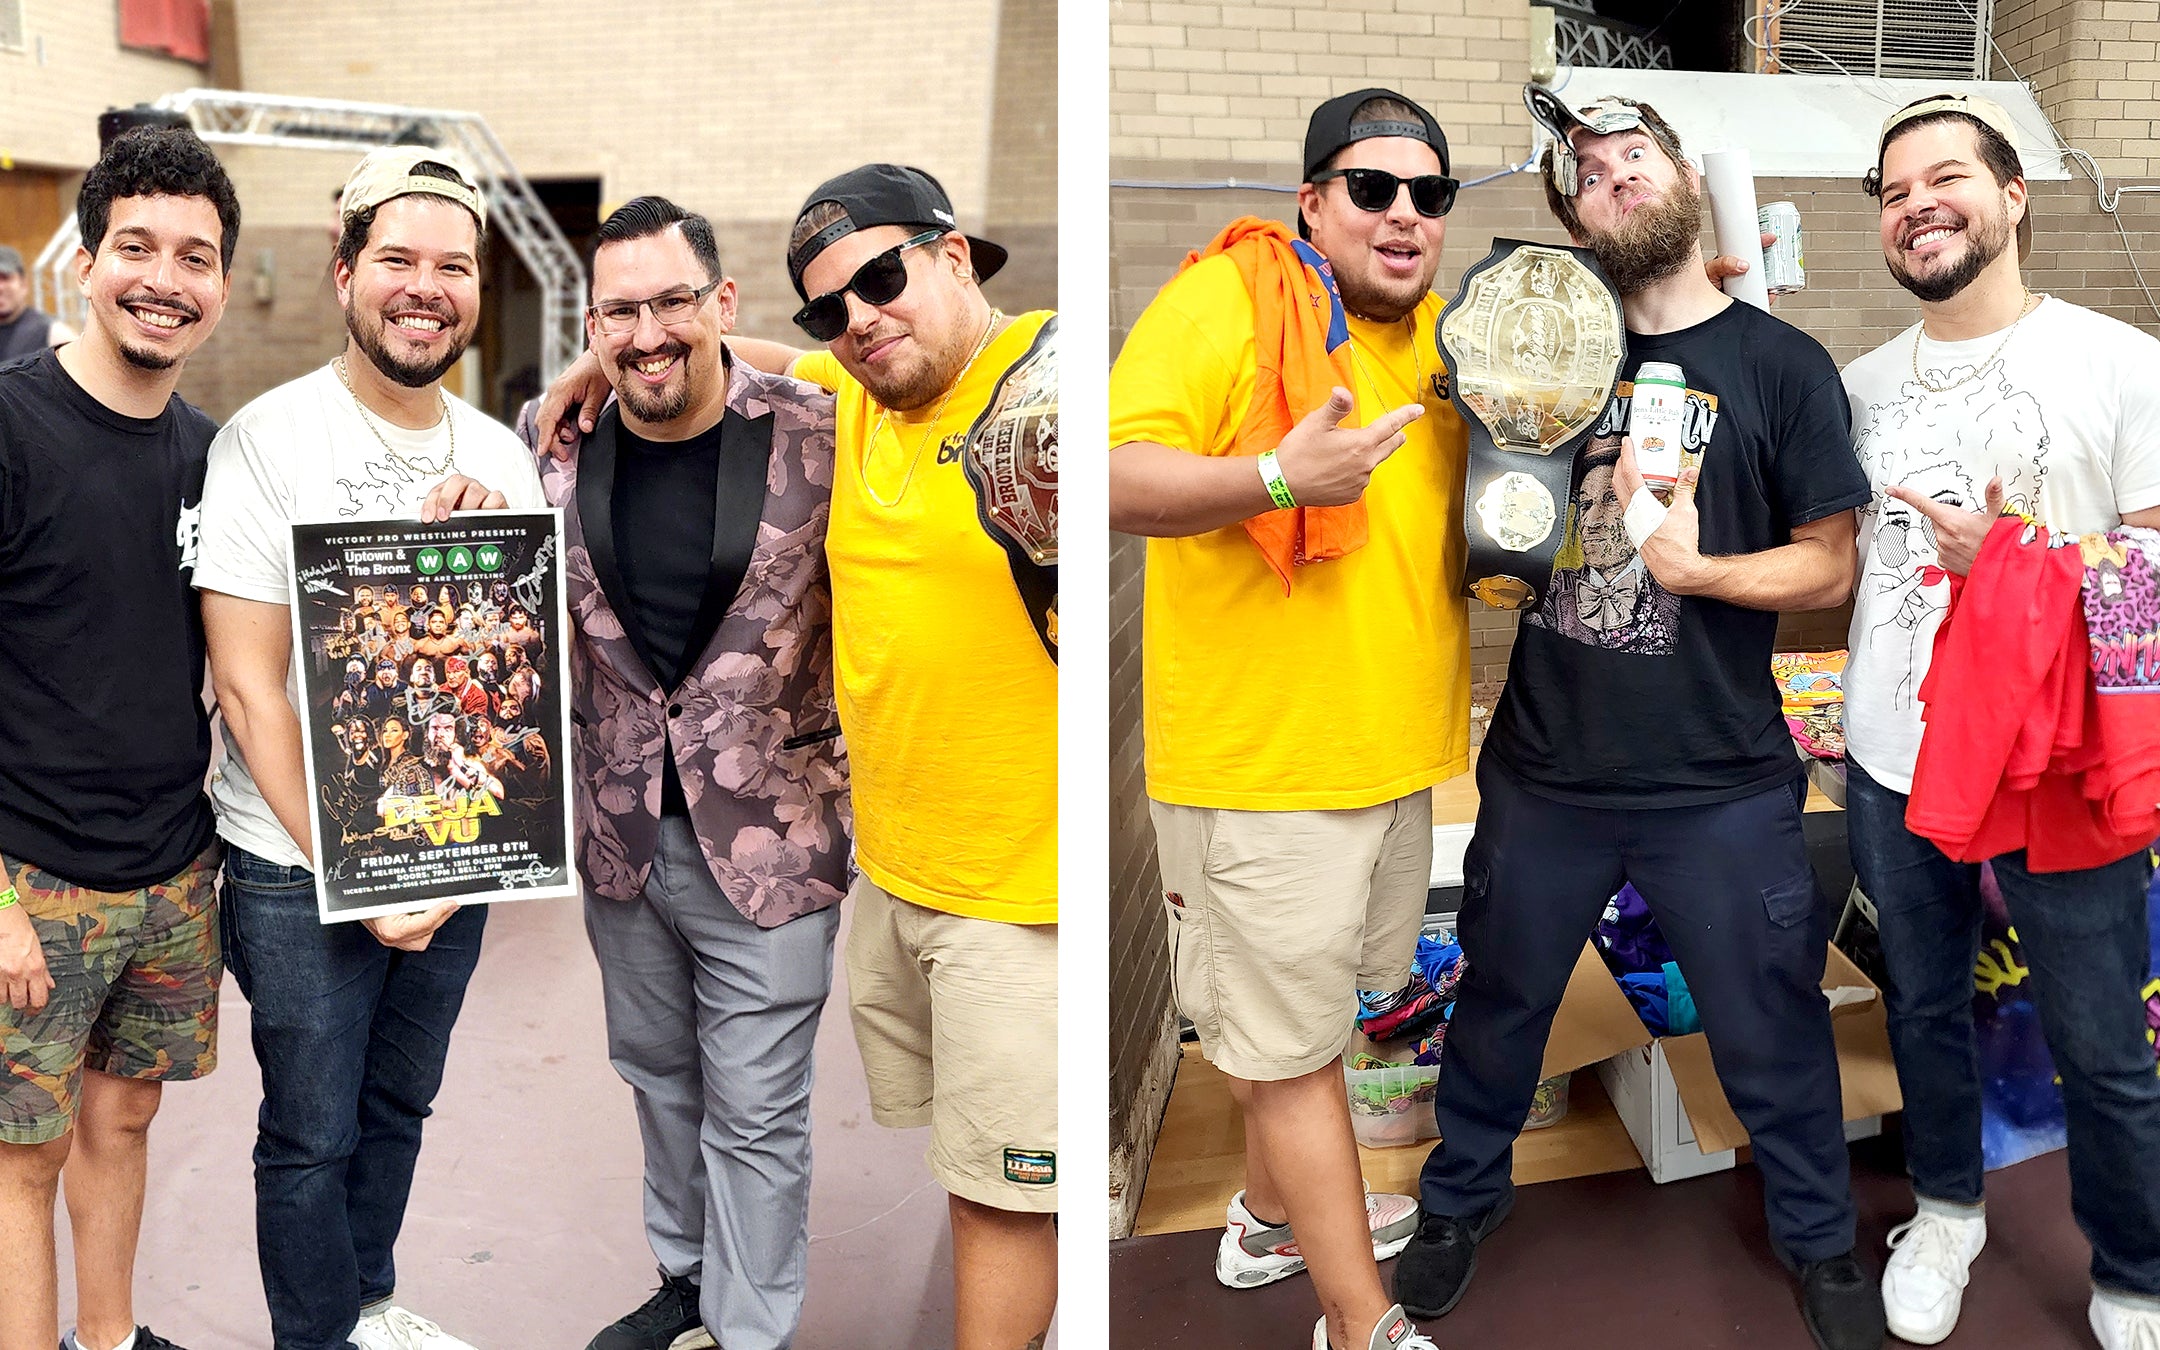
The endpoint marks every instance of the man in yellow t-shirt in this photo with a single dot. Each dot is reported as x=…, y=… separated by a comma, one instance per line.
x=948, y=695
x=1293, y=738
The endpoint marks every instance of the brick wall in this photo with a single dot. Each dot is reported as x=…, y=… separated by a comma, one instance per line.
x=70, y=69
x=736, y=109
x=1220, y=92
x=735, y=120
x=1236, y=81
x=2092, y=64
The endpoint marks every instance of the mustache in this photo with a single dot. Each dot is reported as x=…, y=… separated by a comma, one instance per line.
x=669, y=348
x=434, y=308
x=176, y=303
x=1936, y=218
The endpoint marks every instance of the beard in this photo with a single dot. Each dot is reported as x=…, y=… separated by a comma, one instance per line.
x=367, y=331
x=1654, y=242
x=147, y=358
x=648, y=404
x=1985, y=241
x=905, y=390
x=1384, y=300
x=151, y=358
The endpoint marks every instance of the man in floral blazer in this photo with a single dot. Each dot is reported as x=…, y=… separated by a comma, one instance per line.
x=710, y=780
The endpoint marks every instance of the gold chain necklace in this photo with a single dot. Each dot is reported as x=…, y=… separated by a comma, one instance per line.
x=878, y=431
x=1417, y=357
x=449, y=463
x=2032, y=302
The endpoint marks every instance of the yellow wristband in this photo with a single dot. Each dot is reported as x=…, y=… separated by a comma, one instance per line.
x=8, y=898
x=1271, y=474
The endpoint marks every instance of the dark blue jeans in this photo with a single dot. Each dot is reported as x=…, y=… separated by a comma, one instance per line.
x=351, y=1037
x=2085, y=939
x=1735, y=896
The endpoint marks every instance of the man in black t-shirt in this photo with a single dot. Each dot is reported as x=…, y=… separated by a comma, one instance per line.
x=1639, y=739
x=109, y=956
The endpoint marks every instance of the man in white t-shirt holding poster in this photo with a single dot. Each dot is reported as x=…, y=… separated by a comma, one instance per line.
x=1997, y=397
x=351, y=1021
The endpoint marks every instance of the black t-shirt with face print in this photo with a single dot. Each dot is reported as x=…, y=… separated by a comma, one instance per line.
x=1622, y=694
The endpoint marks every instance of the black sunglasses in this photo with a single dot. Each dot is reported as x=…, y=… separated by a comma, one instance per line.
x=1374, y=189
x=878, y=282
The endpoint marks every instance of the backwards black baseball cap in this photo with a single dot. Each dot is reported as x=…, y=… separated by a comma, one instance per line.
x=885, y=194
x=1330, y=129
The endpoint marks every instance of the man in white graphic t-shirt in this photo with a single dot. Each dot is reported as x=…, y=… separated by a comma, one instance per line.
x=351, y=1021
x=1997, y=398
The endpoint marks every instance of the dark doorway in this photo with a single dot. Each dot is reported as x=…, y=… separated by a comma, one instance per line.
x=509, y=339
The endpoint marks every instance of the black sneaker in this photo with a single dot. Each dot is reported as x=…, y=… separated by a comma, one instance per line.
x=1435, y=1268
x=145, y=1339
x=667, y=1321
x=1842, y=1304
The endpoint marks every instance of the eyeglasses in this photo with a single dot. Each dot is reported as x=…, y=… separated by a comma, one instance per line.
x=669, y=309
x=878, y=282
x=1374, y=189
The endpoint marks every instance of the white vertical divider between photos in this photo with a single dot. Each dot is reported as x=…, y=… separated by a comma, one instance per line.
x=1084, y=678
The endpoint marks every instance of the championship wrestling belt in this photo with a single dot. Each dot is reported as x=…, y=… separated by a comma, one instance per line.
x=1534, y=340
x=1011, y=460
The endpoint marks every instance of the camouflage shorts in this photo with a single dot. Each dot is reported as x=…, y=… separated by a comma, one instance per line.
x=135, y=986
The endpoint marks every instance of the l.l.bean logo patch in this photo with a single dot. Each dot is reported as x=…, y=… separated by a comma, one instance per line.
x=1031, y=1167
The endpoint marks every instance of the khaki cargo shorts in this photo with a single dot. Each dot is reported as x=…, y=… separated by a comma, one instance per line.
x=135, y=988
x=1278, y=918
x=956, y=1019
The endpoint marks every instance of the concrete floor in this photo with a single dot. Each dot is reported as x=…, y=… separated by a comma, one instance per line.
x=1617, y=1262
x=524, y=1224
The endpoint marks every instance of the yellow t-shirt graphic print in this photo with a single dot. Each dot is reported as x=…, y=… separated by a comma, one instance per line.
x=948, y=700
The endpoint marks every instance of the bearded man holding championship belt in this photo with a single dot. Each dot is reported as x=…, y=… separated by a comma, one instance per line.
x=1639, y=738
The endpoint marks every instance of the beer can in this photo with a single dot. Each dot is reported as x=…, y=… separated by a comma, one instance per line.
x=1784, y=269
x=1657, y=419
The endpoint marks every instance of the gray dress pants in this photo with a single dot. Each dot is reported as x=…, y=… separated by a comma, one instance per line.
x=710, y=1020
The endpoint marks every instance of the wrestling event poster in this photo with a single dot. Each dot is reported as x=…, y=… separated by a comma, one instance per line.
x=434, y=710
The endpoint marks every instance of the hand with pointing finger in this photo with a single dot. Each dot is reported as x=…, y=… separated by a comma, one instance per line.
x=1326, y=463
x=1959, y=533
x=1673, y=552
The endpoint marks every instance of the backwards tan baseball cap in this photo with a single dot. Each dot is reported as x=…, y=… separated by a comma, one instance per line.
x=388, y=173
x=1981, y=109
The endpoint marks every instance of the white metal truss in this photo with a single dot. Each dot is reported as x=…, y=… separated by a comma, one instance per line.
x=1584, y=41
x=225, y=117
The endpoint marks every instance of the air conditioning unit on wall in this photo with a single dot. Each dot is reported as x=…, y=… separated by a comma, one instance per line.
x=1908, y=39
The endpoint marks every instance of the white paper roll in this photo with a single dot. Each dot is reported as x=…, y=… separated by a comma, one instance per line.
x=1730, y=178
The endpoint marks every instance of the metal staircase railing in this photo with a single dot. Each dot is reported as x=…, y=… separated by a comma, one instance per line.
x=226, y=117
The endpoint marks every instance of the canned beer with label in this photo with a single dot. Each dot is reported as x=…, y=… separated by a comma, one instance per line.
x=1657, y=416
x=1784, y=269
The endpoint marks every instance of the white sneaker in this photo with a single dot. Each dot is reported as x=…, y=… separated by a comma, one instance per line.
x=2119, y=1326
x=1923, y=1285
x=1253, y=1253
x=395, y=1328
x=1394, y=1331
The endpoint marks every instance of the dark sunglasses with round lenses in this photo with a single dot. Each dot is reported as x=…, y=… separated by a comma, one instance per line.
x=878, y=282
x=1431, y=194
